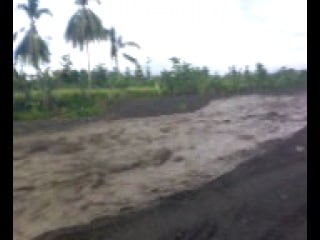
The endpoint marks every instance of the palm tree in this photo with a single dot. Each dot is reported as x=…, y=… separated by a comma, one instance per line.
x=15, y=36
x=32, y=50
x=85, y=27
x=148, y=71
x=116, y=45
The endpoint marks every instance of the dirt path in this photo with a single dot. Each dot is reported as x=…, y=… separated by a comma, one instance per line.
x=262, y=199
x=106, y=168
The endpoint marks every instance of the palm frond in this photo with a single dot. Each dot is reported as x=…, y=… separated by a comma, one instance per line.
x=32, y=9
x=85, y=2
x=32, y=50
x=133, y=44
x=43, y=11
x=84, y=26
x=131, y=59
x=23, y=7
x=117, y=43
x=96, y=30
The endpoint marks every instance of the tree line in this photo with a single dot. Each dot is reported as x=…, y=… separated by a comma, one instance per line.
x=67, y=100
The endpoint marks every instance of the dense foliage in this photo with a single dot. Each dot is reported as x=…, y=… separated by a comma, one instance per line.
x=69, y=97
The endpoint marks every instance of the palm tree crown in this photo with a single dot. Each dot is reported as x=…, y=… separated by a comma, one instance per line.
x=33, y=11
x=117, y=44
x=33, y=49
x=83, y=27
x=84, y=2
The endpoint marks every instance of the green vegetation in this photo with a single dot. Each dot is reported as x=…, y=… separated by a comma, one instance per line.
x=70, y=93
x=68, y=100
x=74, y=103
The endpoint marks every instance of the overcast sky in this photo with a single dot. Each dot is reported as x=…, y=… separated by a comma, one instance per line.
x=212, y=33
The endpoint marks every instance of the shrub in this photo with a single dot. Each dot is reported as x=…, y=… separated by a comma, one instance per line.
x=72, y=103
x=184, y=79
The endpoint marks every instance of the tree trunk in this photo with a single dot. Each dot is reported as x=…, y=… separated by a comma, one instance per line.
x=89, y=70
x=42, y=82
x=45, y=93
x=116, y=63
x=24, y=84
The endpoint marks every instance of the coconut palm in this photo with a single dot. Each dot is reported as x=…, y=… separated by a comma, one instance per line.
x=138, y=68
x=116, y=45
x=32, y=50
x=85, y=27
x=132, y=60
x=15, y=36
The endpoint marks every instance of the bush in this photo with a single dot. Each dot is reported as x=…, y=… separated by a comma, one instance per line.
x=73, y=103
x=184, y=79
